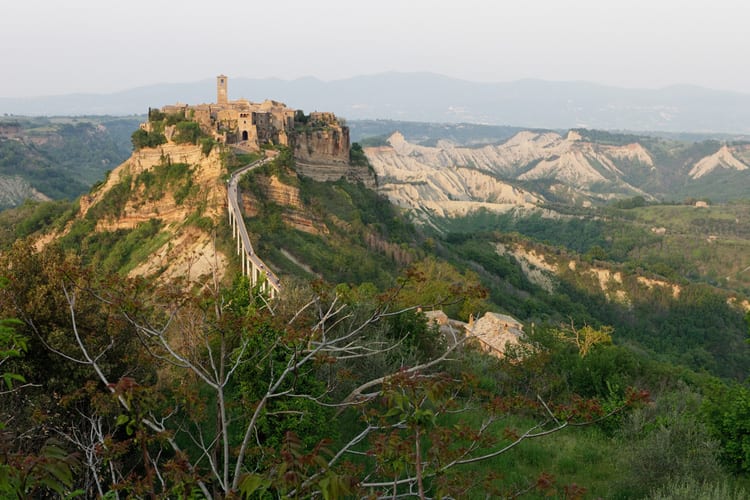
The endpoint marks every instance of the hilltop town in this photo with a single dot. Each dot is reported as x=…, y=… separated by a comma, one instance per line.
x=318, y=137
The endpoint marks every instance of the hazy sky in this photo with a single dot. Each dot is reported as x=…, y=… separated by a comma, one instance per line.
x=56, y=47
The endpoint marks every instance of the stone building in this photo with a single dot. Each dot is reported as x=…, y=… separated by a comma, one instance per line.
x=241, y=122
x=320, y=142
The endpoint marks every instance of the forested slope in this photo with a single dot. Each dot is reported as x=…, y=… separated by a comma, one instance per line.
x=203, y=387
x=59, y=158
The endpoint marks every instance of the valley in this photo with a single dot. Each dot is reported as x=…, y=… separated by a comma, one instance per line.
x=389, y=251
x=614, y=258
x=53, y=158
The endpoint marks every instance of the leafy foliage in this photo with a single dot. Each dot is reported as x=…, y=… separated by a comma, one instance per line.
x=113, y=202
x=669, y=446
x=152, y=184
x=187, y=132
x=435, y=284
x=728, y=412
x=50, y=472
x=218, y=391
x=143, y=139
x=357, y=156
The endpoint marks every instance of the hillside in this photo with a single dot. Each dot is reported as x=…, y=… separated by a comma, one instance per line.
x=580, y=168
x=162, y=212
x=604, y=268
x=340, y=246
x=53, y=158
x=153, y=216
x=553, y=241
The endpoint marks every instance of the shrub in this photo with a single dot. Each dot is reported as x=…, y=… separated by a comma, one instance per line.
x=155, y=115
x=175, y=118
x=207, y=144
x=688, y=487
x=187, y=133
x=301, y=117
x=357, y=156
x=142, y=139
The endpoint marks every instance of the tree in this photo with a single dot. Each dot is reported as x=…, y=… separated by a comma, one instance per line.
x=301, y=117
x=357, y=155
x=240, y=393
x=727, y=410
x=12, y=345
x=187, y=132
x=585, y=338
x=435, y=284
x=666, y=442
x=143, y=139
x=24, y=474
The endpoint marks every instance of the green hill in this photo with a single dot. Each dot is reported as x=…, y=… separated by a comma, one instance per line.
x=61, y=157
x=204, y=387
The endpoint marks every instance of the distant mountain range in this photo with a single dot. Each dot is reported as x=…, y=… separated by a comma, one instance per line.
x=430, y=97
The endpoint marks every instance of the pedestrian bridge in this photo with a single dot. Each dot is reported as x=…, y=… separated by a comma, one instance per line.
x=252, y=265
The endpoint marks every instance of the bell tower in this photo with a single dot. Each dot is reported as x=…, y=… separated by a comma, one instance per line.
x=221, y=89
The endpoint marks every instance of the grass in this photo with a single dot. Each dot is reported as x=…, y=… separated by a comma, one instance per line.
x=581, y=456
x=239, y=160
x=571, y=456
x=144, y=249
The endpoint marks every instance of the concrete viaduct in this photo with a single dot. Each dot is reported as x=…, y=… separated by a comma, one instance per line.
x=252, y=266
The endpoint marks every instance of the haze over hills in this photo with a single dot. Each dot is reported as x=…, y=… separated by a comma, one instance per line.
x=434, y=98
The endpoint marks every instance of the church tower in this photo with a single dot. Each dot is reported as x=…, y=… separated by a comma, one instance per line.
x=221, y=89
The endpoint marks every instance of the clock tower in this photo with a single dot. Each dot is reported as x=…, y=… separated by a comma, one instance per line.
x=221, y=89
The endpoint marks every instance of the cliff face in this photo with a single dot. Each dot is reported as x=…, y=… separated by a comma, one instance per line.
x=181, y=248
x=284, y=195
x=322, y=154
x=329, y=145
x=427, y=179
x=580, y=168
x=205, y=174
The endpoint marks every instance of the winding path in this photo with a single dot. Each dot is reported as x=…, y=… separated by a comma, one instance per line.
x=252, y=266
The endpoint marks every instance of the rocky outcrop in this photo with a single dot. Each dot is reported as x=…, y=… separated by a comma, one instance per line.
x=632, y=152
x=189, y=254
x=494, y=333
x=14, y=190
x=444, y=181
x=723, y=158
x=451, y=180
x=321, y=152
x=206, y=176
x=331, y=172
x=282, y=194
x=534, y=265
x=286, y=196
x=188, y=251
x=327, y=145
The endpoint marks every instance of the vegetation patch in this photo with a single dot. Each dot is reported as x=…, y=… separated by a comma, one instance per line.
x=112, y=203
x=167, y=176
